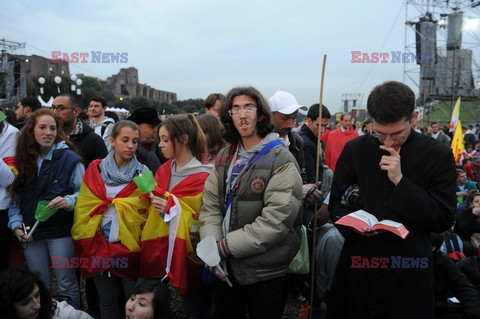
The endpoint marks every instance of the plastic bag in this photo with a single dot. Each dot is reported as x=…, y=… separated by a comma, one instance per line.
x=301, y=262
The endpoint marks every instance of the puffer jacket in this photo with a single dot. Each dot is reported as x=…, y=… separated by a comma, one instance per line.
x=264, y=231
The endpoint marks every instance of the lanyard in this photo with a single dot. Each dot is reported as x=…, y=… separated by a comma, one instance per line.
x=270, y=145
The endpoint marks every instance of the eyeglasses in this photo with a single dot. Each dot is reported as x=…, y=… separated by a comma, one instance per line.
x=396, y=136
x=60, y=108
x=237, y=111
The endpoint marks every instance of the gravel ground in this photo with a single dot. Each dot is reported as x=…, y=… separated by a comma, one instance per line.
x=291, y=308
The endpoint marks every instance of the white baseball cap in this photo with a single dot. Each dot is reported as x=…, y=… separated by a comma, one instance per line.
x=284, y=103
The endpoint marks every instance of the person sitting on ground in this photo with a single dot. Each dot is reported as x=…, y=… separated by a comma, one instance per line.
x=464, y=186
x=469, y=153
x=451, y=282
x=468, y=219
x=24, y=295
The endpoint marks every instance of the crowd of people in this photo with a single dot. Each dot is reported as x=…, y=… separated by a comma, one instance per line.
x=245, y=173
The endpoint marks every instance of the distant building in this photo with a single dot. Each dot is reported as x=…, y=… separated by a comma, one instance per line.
x=125, y=84
x=15, y=70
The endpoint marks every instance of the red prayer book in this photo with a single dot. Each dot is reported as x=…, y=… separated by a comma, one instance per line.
x=365, y=222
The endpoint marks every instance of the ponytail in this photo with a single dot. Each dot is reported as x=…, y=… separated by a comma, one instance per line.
x=186, y=124
x=200, y=145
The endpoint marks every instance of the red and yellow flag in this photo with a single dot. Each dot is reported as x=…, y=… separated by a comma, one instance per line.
x=90, y=244
x=457, y=142
x=168, y=248
x=10, y=161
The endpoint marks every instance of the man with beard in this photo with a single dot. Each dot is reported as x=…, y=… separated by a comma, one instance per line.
x=402, y=176
x=251, y=205
x=25, y=108
x=101, y=124
x=91, y=146
x=148, y=152
x=284, y=107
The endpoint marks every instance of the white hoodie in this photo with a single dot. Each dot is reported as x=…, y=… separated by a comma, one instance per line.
x=8, y=144
x=108, y=124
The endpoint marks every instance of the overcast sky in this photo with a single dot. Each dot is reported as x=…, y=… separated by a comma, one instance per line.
x=196, y=47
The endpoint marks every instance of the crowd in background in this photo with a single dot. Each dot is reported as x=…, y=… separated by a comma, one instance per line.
x=246, y=173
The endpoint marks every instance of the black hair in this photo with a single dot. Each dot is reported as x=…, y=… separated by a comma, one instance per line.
x=312, y=113
x=391, y=102
x=99, y=99
x=32, y=103
x=16, y=284
x=161, y=296
x=73, y=99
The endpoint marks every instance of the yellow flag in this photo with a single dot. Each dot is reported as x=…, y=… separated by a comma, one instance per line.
x=457, y=142
x=455, y=116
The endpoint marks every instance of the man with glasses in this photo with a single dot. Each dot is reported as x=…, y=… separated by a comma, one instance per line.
x=90, y=145
x=402, y=176
x=251, y=205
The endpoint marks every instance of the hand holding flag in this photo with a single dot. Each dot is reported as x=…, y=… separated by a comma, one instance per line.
x=145, y=182
x=42, y=214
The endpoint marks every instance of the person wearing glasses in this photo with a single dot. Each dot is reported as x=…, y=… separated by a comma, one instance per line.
x=402, y=176
x=251, y=204
x=90, y=145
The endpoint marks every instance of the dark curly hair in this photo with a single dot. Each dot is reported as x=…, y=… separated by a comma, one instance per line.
x=264, y=115
x=27, y=150
x=16, y=285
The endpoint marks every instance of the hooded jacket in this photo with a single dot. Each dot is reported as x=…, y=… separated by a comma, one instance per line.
x=90, y=145
x=264, y=229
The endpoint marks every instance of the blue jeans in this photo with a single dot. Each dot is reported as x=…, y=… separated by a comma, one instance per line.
x=38, y=256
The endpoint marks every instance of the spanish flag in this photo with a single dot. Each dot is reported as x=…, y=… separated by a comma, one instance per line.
x=168, y=243
x=90, y=244
x=10, y=161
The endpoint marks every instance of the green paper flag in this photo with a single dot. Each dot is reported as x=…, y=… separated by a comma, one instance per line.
x=43, y=213
x=145, y=182
x=2, y=116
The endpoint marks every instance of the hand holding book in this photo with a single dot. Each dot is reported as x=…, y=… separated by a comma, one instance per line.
x=364, y=222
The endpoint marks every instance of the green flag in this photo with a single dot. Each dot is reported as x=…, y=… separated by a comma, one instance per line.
x=145, y=182
x=43, y=213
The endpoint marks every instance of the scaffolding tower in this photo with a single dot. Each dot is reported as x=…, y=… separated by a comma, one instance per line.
x=447, y=46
